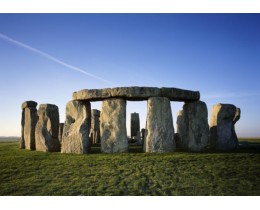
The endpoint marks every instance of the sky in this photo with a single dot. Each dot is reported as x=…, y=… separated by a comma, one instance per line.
x=46, y=57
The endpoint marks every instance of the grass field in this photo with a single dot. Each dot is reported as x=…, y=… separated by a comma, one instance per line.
x=24, y=172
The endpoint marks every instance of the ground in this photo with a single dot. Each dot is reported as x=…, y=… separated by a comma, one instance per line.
x=26, y=172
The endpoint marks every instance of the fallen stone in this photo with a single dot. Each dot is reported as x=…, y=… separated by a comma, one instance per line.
x=76, y=129
x=136, y=94
x=159, y=126
x=113, y=126
x=47, y=129
x=195, y=132
x=222, y=129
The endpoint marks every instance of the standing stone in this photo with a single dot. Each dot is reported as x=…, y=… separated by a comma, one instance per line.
x=76, y=129
x=29, y=120
x=95, y=126
x=222, y=129
x=179, y=129
x=61, y=132
x=113, y=126
x=195, y=132
x=22, y=142
x=135, y=124
x=143, y=133
x=47, y=129
x=159, y=126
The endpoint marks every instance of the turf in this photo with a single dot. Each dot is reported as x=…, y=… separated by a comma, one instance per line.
x=24, y=172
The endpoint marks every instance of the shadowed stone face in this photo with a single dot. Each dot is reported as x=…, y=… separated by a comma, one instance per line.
x=222, y=129
x=76, y=129
x=113, y=126
x=28, y=123
x=195, y=132
x=135, y=124
x=95, y=126
x=47, y=129
x=159, y=126
x=61, y=132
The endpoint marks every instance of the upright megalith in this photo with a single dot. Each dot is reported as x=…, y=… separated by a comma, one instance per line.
x=159, y=126
x=222, y=126
x=61, y=126
x=135, y=124
x=95, y=126
x=194, y=128
x=28, y=123
x=113, y=126
x=47, y=129
x=76, y=129
x=179, y=129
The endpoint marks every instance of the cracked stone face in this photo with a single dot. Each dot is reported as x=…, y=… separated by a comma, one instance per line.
x=76, y=128
x=113, y=126
x=159, y=126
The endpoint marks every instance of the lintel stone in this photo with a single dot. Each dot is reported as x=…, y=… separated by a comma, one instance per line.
x=137, y=94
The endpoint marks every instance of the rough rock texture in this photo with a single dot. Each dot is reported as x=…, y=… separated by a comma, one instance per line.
x=22, y=142
x=61, y=126
x=92, y=94
x=113, y=126
x=76, y=129
x=47, y=129
x=179, y=129
x=30, y=121
x=95, y=126
x=135, y=124
x=136, y=94
x=222, y=129
x=26, y=104
x=195, y=132
x=159, y=135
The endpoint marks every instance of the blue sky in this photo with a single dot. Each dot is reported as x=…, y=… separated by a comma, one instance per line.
x=217, y=54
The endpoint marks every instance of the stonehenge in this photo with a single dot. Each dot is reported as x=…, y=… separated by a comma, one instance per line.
x=29, y=120
x=222, y=126
x=47, y=129
x=76, y=129
x=83, y=127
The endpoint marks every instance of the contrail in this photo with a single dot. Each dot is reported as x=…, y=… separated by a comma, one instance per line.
x=48, y=56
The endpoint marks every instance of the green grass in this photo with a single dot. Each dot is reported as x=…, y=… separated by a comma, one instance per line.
x=24, y=172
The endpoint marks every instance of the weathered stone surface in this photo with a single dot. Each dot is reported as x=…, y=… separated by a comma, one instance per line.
x=179, y=128
x=30, y=120
x=113, y=126
x=135, y=124
x=95, y=126
x=222, y=129
x=92, y=94
x=194, y=132
x=47, y=129
x=22, y=142
x=136, y=94
x=26, y=104
x=159, y=135
x=76, y=129
x=61, y=126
